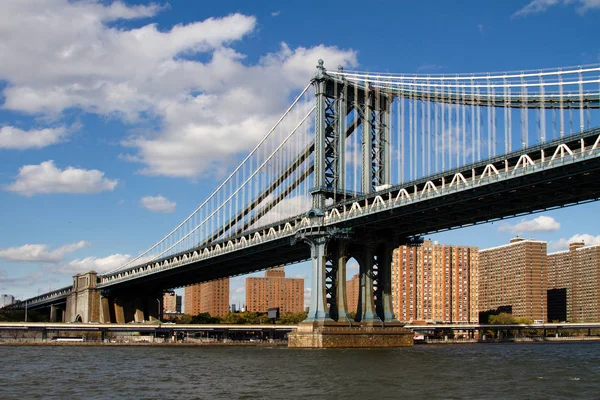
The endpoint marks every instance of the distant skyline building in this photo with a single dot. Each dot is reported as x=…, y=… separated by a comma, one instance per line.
x=208, y=297
x=275, y=290
x=577, y=270
x=435, y=282
x=352, y=289
x=6, y=300
x=516, y=275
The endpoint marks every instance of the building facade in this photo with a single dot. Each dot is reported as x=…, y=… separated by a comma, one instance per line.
x=171, y=303
x=435, y=282
x=6, y=300
x=208, y=297
x=275, y=290
x=352, y=289
x=515, y=275
x=577, y=271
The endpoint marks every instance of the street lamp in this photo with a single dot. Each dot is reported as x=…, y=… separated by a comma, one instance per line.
x=158, y=315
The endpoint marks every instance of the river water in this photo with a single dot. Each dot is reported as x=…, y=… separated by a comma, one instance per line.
x=466, y=371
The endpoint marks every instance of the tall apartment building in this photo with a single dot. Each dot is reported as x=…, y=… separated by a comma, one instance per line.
x=171, y=303
x=352, y=289
x=435, y=282
x=514, y=275
x=275, y=290
x=211, y=297
x=6, y=300
x=577, y=270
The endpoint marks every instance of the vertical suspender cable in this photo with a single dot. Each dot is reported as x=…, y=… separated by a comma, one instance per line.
x=523, y=113
x=542, y=110
x=442, y=128
x=464, y=125
x=422, y=101
x=473, y=119
x=410, y=135
x=428, y=128
x=560, y=100
x=581, y=117
x=478, y=119
x=436, y=106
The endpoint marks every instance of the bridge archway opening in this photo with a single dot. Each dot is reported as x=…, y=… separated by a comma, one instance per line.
x=78, y=318
x=352, y=284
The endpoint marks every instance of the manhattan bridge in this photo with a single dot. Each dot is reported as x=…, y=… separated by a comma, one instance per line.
x=359, y=164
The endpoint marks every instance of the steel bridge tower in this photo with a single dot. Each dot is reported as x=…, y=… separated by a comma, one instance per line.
x=336, y=101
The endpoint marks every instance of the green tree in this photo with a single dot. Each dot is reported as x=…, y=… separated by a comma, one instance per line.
x=502, y=319
x=205, y=318
x=184, y=319
x=291, y=318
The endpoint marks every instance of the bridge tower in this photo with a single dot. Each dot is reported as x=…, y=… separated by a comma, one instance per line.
x=83, y=304
x=337, y=101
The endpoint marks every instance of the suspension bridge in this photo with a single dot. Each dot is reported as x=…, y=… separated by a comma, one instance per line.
x=359, y=164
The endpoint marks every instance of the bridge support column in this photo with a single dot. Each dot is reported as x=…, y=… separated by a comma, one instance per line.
x=105, y=310
x=366, y=302
x=138, y=314
x=54, y=311
x=119, y=311
x=341, y=303
x=154, y=305
x=384, y=283
x=318, y=311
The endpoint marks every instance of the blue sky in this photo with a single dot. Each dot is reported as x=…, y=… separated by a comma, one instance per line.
x=114, y=116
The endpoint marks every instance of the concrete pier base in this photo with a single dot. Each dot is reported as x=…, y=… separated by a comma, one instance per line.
x=310, y=335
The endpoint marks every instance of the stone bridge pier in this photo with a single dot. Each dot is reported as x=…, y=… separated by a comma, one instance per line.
x=83, y=304
x=328, y=323
x=131, y=307
x=58, y=312
x=87, y=303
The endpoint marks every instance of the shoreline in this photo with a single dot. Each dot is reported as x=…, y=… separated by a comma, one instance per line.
x=284, y=344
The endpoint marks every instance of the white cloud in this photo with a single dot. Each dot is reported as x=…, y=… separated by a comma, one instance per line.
x=46, y=178
x=158, y=204
x=307, y=296
x=26, y=286
x=276, y=13
x=240, y=290
x=540, y=6
x=285, y=208
x=352, y=265
x=563, y=243
x=542, y=223
x=99, y=265
x=40, y=252
x=206, y=110
x=15, y=138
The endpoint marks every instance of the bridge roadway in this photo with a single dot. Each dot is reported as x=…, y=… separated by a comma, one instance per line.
x=556, y=174
x=141, y=328
x=190, y=328
x=559, y=173
x=483, y=327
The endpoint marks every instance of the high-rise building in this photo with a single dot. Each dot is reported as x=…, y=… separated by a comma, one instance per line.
x=208, y=297
x=352, y=288
x=515, y=275
x=171, y=303
x=577, y=270
x=435, y=282
x=275, y=290
x=6, y=300
x=560, y=276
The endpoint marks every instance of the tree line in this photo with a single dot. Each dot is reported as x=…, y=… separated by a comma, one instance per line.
x=241, y=318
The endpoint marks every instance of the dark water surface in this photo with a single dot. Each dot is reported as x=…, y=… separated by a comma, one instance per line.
x=468, y=371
